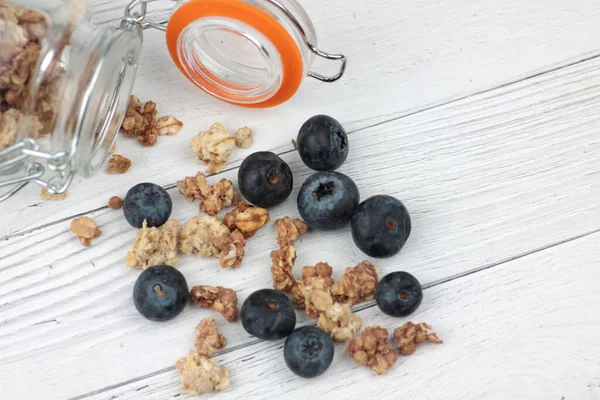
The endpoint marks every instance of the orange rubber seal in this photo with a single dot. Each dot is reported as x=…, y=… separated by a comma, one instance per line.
x=291, y=58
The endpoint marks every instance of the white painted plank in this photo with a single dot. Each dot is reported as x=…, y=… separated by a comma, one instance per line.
x=527, y=329
x=486, y=178
x=404, y=56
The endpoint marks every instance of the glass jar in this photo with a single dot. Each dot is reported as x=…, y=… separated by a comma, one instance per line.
x=65, y=83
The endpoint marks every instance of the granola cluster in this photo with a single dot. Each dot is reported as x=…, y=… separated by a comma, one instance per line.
x=220, y=299
x=46, y=195
x=208, y=339
x=232, y=248
x=201, y=375
x=243, y=138
x=339, y=322
x=85, y=229
x=212, y=198
x=315, y=289
x=118, y=164
x=246, y=218
x=409, y=336
x=283, y=260
x=140, y=121
x=154, y=246
x=200, y=235
x=356, y=285
x=373, y=350
x=213, y=147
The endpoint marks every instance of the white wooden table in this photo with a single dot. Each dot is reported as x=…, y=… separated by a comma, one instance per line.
x=483, y=116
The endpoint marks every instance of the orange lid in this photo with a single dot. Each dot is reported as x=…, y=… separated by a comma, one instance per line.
x=291, y=58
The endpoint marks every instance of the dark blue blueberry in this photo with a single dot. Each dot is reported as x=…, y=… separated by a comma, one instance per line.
x=398, y=294
x=322, y=143
x=327, y=200
x=380, y=226
x=268, y=314
x=160, y=293
x=147, y=201
x=308, y=351
x=265, y=180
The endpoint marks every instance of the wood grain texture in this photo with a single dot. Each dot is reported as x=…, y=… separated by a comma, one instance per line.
x=404, y=56
x=486, y=179
x=526, y=329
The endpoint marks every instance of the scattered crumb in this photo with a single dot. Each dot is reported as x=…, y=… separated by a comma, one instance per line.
x=356, y=285
x=201, y=375
x=373, y=350
x=232, y=249
x=168, y=125
x=220, y=299
x=243, y=138
x=315, y=287
x=200, y=235
x=154, y=246
x=289, y=230
x=208, y=339
x=115, y=203
x=213, y=147
x=339, y=321
x=295, y=144
x=410, y=335
x=213, y=198
x=46, y=195
x=247, y=218
x=118, y=164
x=86, y=229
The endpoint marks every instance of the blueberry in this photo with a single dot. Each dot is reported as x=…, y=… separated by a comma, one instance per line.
x=398, y=294
x=147, y=201
x=265, y=180
x=160, y=293
x=380, y=226
x=322, y=143
x=268, y=314
x=327, y=200
x=308, y=351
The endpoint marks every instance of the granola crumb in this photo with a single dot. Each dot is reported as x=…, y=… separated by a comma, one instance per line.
x=232, y=249
x=139, y=121
x=409, y=336
x=243, y=138
x=295, y=144
x=200, y=235
x=86, y=229
x=118, y=164
x=213, y=147
x=208, y=338
x=247, y=218
x=220, y=299
x=115, y=203
x=356, y=285
x=289, y=230
x=194, y=187
x=201, y=375
x=339, y=321
x=154, y=246
x=168, y=125
x=315, y=287
x=373, y=350
x=46, y=195
x=220, y=196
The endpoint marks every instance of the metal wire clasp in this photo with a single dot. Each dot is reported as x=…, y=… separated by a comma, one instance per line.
x=139, y=17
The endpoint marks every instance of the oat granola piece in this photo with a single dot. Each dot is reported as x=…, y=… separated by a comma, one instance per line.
x=251, y=220
x=232, y=249
x=118, y=164
x=339, y=321
x=229, y=219
x=201, y=375
x=213, y=147
x=154, y=246
x=115, y=203
x=289, y=230
x=200, y=235
x=220, y=196
x=315, y=287
x=86, y=229
x=139, y=121
x=410, y=335
x=208, y=338
x=194, y=187
x=356, y=285
x=281, y=269
x=168, y=125
x=243, y=138
x=46, y=195
x=373, y=350
x=220, y=299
